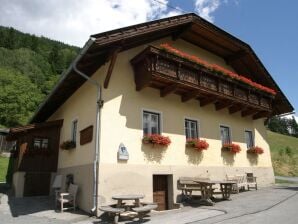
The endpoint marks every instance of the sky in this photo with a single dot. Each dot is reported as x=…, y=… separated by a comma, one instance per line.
x=270, y=27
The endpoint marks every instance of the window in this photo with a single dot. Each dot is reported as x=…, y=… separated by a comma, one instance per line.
x=74, y=127
x=249, y=139
x=151, y=123
x=225, y=134
x=191, y=128
x=41, y=143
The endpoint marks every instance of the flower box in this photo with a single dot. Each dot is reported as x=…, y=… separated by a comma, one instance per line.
x=255, y=150
x=197, y=144
x=216, y=68
x=67, y=145
x=156, y=139
x=231, y=147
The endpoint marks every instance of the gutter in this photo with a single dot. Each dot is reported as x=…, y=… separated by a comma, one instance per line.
x=99, y=104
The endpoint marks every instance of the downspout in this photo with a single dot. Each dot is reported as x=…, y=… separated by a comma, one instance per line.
x=99, y=104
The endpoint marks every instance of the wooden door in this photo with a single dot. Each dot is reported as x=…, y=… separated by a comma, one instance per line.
x=37, y=183
x=160, y=191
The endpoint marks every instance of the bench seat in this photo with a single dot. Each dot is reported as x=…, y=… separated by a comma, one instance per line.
x=143, y=210
x=112, y=211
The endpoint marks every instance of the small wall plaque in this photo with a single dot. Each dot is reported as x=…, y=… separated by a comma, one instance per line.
x=86, y=135
x=122, y=152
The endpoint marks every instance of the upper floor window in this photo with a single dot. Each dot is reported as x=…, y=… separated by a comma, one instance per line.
x=191, y=128
x=225, y=134
x=249, y=139
x=74, y=129
x=151, y=123
x=41, y=143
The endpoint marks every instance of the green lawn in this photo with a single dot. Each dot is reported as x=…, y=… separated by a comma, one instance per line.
x=284, y=154
x=3, y=168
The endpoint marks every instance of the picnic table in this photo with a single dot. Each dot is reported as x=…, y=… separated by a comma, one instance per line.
x=207, y=190
x=121, y=198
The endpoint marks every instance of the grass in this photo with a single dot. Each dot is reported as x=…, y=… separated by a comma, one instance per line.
x=284, y=154
x=3, y=168
x=278, y=181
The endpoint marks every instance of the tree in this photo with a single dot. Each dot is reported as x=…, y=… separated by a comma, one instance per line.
x=19, y=98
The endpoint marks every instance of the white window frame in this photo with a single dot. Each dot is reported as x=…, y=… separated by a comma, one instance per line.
x=198, y=125
x=252, y=135
x=154, y=112
x=230, y=130
x=72, y=130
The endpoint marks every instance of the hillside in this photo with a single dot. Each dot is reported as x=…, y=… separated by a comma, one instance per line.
x=29, y=68
x=284, y=154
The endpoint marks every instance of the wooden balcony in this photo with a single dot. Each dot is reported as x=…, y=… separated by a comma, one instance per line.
x=172, y=74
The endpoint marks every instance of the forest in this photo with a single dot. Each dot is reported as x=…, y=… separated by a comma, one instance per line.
x=30, y=66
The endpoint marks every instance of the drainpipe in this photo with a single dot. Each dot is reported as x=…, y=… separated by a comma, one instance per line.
x=99, y=105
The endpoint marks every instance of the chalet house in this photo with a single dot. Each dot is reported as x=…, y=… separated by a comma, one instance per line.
x=177, y=78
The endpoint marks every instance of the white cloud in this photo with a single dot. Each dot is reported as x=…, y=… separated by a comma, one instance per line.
x=291, y=116
x=73, y=21
x=206, y=7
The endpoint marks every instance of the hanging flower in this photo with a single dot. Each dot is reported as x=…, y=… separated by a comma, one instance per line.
x=197, y=144
x=68, y=145
x=216, y=68
x=231, y=147
x=255, y=150
x=156, y=139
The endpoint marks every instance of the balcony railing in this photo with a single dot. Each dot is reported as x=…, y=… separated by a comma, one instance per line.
x=170, y=73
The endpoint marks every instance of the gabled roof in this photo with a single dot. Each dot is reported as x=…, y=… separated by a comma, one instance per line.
x=189, y=27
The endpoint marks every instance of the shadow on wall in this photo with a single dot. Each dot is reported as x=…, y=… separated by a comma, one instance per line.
x=228, y=158
x=153, y=153
x=252, y=158
x=193, y=156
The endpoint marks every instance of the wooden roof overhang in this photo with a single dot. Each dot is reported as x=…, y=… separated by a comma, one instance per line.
x=188, y=27
x=14, y=132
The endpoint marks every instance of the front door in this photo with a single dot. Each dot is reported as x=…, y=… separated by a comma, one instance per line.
x=160, y=191
x=37, y=183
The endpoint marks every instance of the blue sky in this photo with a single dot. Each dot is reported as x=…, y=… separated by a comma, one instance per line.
x=270, y=27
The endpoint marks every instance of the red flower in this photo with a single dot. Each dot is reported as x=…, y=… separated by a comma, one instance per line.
x=156, y=139
x=197, y=144
x=216, y=68
x=231, y=147
x=256, y=150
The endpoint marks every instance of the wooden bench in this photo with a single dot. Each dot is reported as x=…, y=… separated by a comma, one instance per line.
x=143, y=210
x=112, y=211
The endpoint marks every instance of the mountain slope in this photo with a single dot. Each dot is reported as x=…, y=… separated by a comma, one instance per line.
x=37, y=62
x=284, y=154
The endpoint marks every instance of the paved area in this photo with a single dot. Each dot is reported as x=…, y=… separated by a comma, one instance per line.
x=269, y=205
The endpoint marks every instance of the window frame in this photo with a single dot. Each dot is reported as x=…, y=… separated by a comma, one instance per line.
x=72, y=133
x=230, y=133
x=152, y=112
x=41, y=138
x=252, y=136
x=197, y=126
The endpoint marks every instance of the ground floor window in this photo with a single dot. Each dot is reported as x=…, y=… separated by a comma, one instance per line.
x=191, y=128
x=74, y=128
x=225, y=134
x=151, y=123
x=249, y=139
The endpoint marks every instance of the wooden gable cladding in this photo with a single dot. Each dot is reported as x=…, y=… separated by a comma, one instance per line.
x=172, y=74
x=86, y=135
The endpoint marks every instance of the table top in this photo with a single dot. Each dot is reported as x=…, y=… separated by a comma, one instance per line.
x=215, y=181
x=128, y=197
